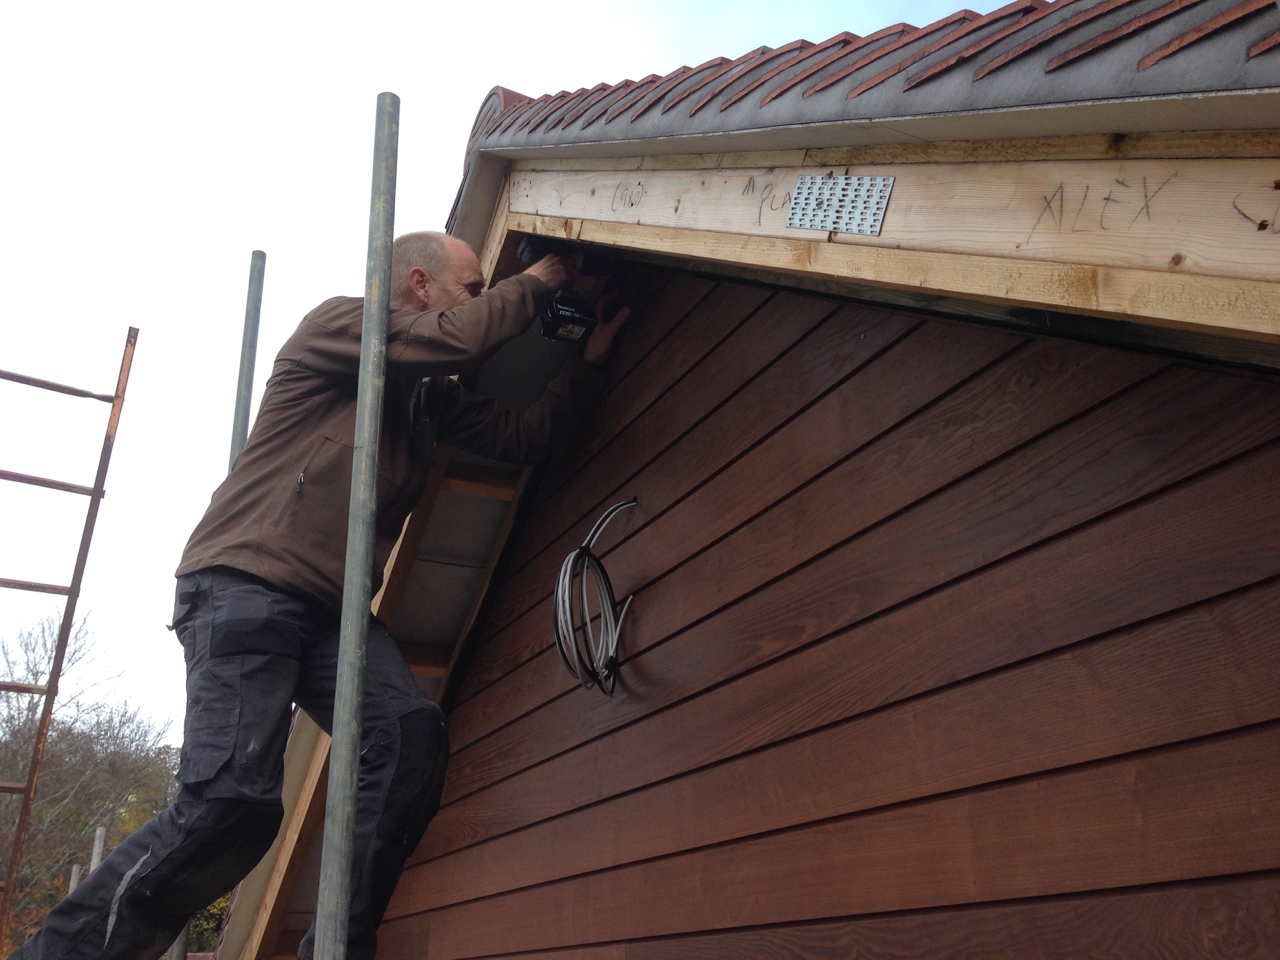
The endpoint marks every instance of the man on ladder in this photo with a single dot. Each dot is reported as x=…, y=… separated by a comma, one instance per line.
x=260, y=589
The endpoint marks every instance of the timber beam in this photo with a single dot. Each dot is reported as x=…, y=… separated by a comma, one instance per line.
x=1185, y=244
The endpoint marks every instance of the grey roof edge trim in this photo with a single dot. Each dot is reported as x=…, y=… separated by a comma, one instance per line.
x=1253, y=109
x=477, y=199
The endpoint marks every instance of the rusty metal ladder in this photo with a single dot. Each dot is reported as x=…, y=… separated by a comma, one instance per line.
x=49, y=690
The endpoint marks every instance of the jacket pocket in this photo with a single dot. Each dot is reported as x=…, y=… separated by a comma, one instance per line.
x=315, y=511
x=297, y=483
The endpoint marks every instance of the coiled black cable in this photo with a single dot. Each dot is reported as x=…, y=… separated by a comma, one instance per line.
x=591, y=656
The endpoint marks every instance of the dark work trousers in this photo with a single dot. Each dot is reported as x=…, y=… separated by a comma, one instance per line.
x=252, y=651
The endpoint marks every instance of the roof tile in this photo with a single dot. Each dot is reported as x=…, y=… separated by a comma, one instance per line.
x=1018, y=8
x=802, y=83
x=977, y=47
x=1197, y=33
x=1141, y=22
x=960, y=17
x=1067, y=25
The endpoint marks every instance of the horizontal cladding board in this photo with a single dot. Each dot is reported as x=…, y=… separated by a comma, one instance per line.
x=656, y=315
x=1197, y=672
x=1206, y=536
x=766, y=335
x=839, y=348
x=715, y=318
x=1208, y=808
x=1214, y=217
x=657, y=309
x=905, y=378
x=1221, y=306
x=1010, y=404
x=1224, y=918
x=808, y=446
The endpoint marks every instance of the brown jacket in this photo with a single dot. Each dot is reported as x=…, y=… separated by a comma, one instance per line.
x=281, y=514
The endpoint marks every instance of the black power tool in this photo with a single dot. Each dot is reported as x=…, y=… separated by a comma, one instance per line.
x=568, y=316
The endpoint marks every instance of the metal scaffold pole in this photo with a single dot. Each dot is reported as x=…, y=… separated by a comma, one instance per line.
x=248, y=354
x=239, y=436
x=333, y=905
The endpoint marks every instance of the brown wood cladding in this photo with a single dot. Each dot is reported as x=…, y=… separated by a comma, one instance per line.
x=945, y=642
x=1218, y=920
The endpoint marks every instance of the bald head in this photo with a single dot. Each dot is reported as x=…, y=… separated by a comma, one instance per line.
x=433, y=271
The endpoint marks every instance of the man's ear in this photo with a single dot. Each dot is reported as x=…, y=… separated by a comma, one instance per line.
x=419, y=287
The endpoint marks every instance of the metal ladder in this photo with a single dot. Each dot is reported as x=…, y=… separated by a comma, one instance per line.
x=49, y=690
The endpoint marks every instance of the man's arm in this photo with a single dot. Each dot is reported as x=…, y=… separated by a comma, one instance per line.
x=433, y=342
x=479, y=425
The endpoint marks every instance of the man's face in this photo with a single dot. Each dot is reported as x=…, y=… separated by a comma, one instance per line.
x=462, y=280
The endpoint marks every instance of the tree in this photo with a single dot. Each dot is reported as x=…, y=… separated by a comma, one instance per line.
x=105, y=765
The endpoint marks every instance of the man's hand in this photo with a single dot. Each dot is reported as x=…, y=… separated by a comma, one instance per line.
x=556, y=272
x=601, y=339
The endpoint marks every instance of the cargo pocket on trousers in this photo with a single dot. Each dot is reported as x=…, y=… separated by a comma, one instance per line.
x=255, y=618
x=213, y=716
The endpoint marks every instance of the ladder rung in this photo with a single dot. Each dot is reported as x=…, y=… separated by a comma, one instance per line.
x=13, y=788
x=55, y=387
x=35, y=587
x=42, y=482
x=9, y=686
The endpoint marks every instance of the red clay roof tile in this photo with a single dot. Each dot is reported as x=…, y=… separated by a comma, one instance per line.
x=667, y=82
x=1126, y=28
x=842, y=39
x=897, y=29
x=1078, y=20
x=1019, y=8
x=1265, y=44
x=729, y=67
x=961, y=17
x=1197, y=33
x=795, y=45
x=976, y=48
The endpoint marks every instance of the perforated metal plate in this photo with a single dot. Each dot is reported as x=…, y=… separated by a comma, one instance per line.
x=842, y=204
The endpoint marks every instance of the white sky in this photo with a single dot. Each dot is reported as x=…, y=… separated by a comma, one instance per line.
x=150, y=147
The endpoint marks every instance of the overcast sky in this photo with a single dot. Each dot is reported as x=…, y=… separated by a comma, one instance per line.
x=150, y=147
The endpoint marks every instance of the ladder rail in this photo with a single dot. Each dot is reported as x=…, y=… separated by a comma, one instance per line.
x=68, y=612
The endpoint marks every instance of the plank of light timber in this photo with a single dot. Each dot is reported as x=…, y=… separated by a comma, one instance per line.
x=496, y=236
x=1204, y=809
x=1188, y=216
x=304, y=824
x=1179, y=145
x=1249, y=309
x=1191, y=674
